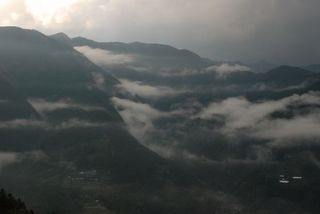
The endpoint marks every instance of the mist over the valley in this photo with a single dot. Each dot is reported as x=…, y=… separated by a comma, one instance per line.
x=162, y=107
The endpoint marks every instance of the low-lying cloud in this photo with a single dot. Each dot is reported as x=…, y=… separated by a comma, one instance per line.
x=99, y=80
x=39, y=124
x=7, y=158
x=143, y=90
x=23, y=123
x=253, y=119
x=105, y=58
x=225, y=69
x=76, y=123
x=44, y=106
x=239, y=112
x=301, y=127
x=172, y=152
x=138, y=116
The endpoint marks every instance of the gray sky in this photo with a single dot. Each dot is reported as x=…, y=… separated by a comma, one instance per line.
x=282, y=31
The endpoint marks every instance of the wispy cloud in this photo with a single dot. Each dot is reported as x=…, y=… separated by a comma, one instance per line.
x=286, y=132
x=42, y=105
x=76, y=123
x=23, y=123
x=99, y=80
x=7, y=158
x=143, y=90
x=225, y=69
x=253, y=119
x=138, y=116
x=39, y=124
x=105, y=58
x=239, y=112
x=173, y=152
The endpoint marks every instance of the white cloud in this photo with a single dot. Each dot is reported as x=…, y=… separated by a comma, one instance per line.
x=44, y=106
x=22, y=123
x=143, y=90
x=105, y=58
x=7, y=158
x=241, y=113
x=76, y=123
x=289, y=130
x=38, y=124
x=138, y=116
x=225, y=69
x=245, y=117
x=172, y=152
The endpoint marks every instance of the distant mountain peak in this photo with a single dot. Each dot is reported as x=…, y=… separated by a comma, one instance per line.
x=289, y=69
x=288, y=75
x=313, y=67
x=62, y=37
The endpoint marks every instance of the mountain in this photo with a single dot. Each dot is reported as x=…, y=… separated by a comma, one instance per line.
x=161, y=64
x=38, y=62
x=288, y=75
x=12, y=103
x=59, y=124
x=150, y=56
x=281, y=76
x=136, y=48
x=314, y=67
x=261, y=66
x=62, y=37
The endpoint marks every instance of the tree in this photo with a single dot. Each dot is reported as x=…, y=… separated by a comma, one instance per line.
x=10, y=205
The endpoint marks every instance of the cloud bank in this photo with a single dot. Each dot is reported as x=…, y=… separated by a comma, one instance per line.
x=254, y=119
x=299, y=128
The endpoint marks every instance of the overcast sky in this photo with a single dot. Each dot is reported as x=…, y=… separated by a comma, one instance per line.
x=282, y=31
